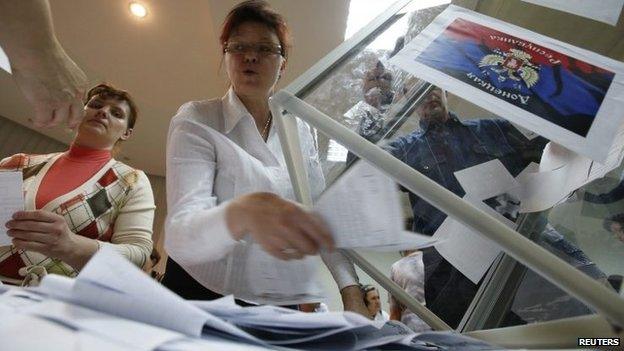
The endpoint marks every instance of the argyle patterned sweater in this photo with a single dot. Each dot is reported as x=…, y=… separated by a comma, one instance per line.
x=115, y=207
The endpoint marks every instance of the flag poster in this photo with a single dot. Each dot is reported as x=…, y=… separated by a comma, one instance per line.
x=564, y=93
x=557, y=87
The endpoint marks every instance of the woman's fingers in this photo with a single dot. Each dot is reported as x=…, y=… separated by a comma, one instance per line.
x=32, y=226
x=298, y=239
x=283, y=228
x=29, y=245
x=282, y=243
x=315, y=230
x=274, y=245
x=303, y=233
x=293, y=254
x=42, y=238
x=37, y=215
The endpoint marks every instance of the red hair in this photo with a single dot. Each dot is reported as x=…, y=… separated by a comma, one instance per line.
x=257, y=11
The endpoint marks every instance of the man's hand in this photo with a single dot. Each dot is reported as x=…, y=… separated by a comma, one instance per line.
x=47, y=233
x=353, y=300
x=308, y=307
x=51, y=82
x=54, y=85
x=395, y=312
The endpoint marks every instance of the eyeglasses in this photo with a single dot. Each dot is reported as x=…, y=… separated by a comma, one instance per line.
x=263, y=49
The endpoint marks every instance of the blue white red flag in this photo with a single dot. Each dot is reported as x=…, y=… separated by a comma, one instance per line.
x=564, y=93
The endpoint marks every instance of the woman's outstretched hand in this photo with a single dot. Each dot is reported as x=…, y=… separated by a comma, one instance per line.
x=283, y=228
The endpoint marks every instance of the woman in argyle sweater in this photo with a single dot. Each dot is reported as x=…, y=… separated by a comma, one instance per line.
x=81, y=199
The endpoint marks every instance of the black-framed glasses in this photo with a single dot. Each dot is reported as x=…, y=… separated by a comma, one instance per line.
x=263, y=49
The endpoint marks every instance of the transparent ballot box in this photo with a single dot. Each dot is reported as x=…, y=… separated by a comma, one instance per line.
x=361, y=106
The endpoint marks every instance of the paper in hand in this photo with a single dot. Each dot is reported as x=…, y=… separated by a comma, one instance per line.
x=362, y=208
x=11, y=201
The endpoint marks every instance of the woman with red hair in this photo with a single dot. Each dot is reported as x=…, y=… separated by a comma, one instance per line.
x=79, y=200
x=229, y=191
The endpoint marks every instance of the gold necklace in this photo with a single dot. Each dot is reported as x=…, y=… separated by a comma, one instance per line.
x=265, y=130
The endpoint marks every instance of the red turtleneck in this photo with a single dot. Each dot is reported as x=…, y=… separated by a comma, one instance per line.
x=71, y=170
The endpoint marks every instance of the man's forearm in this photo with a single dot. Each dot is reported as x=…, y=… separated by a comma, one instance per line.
x=341, y=268
x=353, y=300
x=346, y=278
x=395, y=312
x=49, y=79
x=26, y=27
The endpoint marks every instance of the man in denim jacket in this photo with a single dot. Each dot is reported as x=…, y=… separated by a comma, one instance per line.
x=442, y=146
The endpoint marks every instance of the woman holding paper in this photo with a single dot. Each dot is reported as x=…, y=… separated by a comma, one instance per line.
x=229, y=192
x=81, y=199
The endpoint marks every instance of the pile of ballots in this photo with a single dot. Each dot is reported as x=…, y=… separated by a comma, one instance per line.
x=332, y=330
x=112, y=305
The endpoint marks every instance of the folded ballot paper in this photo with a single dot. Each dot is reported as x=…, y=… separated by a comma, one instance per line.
x=112, y=305
x=111, y=284
x=363, y=210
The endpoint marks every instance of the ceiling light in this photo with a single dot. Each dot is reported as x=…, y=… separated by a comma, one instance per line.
x=138, y=10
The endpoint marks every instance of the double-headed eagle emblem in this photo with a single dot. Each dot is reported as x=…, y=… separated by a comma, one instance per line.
x=514, y=64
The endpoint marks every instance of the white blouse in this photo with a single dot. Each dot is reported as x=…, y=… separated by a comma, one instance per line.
x=214, y=154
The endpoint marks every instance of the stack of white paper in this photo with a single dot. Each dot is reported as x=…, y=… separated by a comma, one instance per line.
x=111, y=284
x=285, y=327
x=105, y=308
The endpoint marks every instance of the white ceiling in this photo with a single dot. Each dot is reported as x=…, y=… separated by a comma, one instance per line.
x=168, y=58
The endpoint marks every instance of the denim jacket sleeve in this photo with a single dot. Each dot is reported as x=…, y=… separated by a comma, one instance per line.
x=529, y=150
